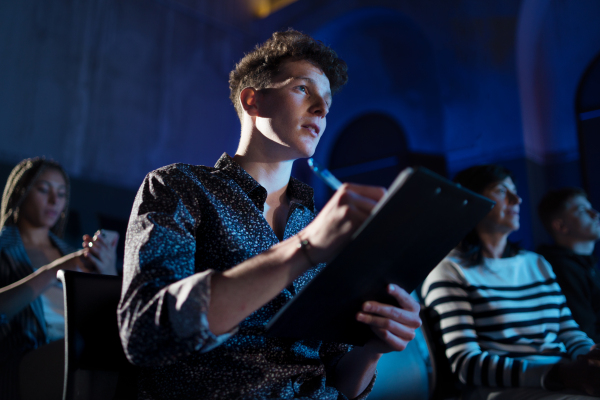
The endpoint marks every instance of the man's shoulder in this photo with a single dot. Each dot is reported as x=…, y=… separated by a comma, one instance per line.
x=181, y=169
x=178, y=173
x=552, y=250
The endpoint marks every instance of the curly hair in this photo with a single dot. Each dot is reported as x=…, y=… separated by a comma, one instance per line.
x=257, y=68
x=19, y=184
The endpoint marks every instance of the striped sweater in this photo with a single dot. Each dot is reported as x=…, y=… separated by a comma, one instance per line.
x=504, y=322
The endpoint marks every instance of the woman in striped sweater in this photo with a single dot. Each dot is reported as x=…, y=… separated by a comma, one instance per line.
x=503, y=317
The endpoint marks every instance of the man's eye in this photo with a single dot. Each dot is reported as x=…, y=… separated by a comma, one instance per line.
x=302, y=89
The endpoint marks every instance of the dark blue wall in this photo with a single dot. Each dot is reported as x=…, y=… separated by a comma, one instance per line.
x=115, y=88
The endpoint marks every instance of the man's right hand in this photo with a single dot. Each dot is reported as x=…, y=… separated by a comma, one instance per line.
x=345, y=212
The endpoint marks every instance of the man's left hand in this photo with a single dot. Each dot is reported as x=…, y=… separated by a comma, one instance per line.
x=394, y=326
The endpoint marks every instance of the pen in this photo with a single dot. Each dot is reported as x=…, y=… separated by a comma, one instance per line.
x=324, y=174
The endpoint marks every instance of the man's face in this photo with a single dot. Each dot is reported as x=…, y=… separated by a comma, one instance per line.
x=579, y=220
x=292, y=110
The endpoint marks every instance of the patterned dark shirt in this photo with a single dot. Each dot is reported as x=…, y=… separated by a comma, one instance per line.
x=188, y=222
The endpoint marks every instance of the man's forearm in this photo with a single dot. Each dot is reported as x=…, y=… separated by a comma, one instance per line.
x=238, y=292
x=355, y=371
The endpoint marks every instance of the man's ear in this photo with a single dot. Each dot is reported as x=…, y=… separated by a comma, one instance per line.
x=559, y=227
x=248, y=99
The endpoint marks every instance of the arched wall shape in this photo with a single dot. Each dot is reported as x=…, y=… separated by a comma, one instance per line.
x=556, y=41
x=361, y=158
x=391, y=71
x=588, y=115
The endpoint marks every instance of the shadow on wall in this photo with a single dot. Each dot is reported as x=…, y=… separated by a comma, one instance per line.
x=391, y=74
x=588, y=124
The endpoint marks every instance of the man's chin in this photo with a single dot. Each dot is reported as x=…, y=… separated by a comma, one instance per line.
x=307, y=152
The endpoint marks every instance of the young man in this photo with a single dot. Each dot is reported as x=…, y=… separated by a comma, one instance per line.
x=575, y=227
x=213, y=253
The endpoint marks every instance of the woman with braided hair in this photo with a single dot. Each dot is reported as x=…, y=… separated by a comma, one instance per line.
x=32, y=220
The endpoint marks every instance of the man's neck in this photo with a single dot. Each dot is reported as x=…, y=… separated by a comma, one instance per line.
x=274, y=176
x=584, y=248
x=263, y=162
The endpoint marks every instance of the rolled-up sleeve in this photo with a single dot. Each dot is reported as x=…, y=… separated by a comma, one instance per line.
x=162, y=312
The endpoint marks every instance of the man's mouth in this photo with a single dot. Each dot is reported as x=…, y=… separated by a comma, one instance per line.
x=313, y=128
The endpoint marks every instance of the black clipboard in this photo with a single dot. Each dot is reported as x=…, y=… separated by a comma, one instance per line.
x=409, y=232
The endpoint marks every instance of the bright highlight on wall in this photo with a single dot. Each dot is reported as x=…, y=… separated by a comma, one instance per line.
x=264, y=8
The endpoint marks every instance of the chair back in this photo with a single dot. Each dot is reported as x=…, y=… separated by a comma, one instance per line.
x=443, y=383
x=92, y=340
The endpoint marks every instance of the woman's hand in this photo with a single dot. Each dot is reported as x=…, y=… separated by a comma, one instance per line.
x=393, y=325
x=100, y=251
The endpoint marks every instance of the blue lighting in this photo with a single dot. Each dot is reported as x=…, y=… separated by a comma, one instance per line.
x=366, y=167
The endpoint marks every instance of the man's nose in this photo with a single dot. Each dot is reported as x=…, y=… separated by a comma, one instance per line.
x=319, y=107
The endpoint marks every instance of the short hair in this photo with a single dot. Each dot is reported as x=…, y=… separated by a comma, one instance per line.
x=19, y=184
x=258, y=68
x=476, y=179
x=554, y=203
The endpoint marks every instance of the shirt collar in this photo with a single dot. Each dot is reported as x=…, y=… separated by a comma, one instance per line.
x=298, y=191
x=555, y=250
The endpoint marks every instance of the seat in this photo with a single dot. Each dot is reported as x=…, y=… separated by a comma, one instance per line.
x=403, y=374
x=443, y=384
x=95, y=365
x=41, y=372
x=421, y=371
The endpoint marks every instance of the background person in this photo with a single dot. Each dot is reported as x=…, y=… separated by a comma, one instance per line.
x=504, y=320
x=33, y=216
x=574, y=225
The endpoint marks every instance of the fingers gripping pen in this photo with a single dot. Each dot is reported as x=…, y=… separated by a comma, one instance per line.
x=324, y=174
